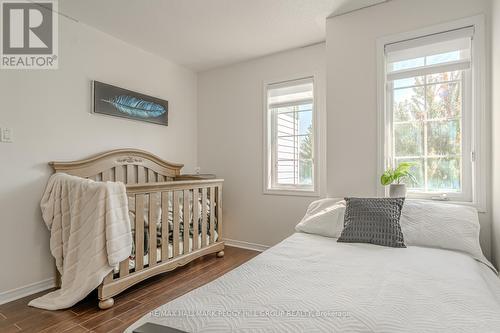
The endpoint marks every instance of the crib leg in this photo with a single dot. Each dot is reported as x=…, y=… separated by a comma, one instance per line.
x=106, y=304
x=220, y=254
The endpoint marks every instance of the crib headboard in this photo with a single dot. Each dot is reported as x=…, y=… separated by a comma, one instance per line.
x=130, y=166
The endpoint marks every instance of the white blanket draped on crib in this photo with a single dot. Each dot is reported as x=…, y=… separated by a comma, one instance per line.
x=89, y=234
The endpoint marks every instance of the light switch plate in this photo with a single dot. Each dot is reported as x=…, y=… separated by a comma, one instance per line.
x=6, y=135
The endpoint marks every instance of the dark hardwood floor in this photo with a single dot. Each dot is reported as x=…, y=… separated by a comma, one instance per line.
x=129, y=306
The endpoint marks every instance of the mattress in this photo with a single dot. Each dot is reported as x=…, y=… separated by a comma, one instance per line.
x=310, y=283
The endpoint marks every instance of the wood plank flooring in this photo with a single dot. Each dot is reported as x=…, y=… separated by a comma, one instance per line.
x=129, y=306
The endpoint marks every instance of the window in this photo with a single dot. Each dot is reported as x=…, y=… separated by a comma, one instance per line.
x=430, y=113
x=290, y=136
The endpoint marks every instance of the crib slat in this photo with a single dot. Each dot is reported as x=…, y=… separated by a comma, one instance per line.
x=141, y=175
x=212, y=211
x=131, y=174
x=185, y=221
x=108, y=278
x=119, y=174
x=219, y=213
x=175, y=243
x=203, y=217
x=151, y=176
x=196, y=217
x=139, y=232
x=106, y=176
x=124, y=268
x=120, y=177
x=153, y=203
x=164, y=226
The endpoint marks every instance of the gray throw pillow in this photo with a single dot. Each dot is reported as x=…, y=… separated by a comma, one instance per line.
x=373, y=220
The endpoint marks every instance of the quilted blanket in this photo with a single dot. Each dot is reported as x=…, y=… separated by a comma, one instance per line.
x=310, y=283
x=89, y=234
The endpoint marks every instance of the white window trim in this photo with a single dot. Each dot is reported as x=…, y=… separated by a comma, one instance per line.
x=480, y=131
x=318, y=132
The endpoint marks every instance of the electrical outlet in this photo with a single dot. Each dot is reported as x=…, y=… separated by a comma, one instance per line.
x=6, y=135
x=197, y=170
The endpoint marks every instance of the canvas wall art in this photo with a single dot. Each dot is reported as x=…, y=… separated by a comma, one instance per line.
x=119, y=102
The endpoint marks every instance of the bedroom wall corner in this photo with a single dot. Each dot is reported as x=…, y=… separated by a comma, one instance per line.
x=352, y=88
x=230, y=111
x=495, y=93
x=49, y=112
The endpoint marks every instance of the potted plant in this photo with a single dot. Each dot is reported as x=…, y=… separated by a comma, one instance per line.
x=394, y=178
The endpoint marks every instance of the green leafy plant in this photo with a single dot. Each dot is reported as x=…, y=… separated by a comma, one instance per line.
x=402, y=172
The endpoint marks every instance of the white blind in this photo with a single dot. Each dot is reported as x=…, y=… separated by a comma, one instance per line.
x=437, y=53
x=290, y=93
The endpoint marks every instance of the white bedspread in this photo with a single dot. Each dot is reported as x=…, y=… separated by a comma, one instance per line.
x=310, y=283
x=89, y=234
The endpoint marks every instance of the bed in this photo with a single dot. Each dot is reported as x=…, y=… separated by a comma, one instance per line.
x=312, y=283
x=173, y=220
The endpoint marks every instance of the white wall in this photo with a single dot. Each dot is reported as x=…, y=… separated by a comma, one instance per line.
x=352, y=87
x=49, y=113
x=495, y=39
x=230, y=141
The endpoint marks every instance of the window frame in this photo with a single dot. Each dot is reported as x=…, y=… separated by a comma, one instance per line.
x=475, y=134
x=269, y=147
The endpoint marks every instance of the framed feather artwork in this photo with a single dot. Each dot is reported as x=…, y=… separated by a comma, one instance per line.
x=119, y=102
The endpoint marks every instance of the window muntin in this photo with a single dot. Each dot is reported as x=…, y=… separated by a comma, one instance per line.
x=290, y=110
x=429, y=111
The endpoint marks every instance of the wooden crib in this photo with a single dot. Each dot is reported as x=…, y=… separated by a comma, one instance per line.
x=160, y=203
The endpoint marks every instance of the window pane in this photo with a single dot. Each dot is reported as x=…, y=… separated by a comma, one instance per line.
x=305, y=172
x=442, y=58
x=409, y=82
x=443, y=137
x=285, y=173
x=417, y=170
x=408, y=139
x=306, y=147
x=305, y=121
x=285, y=154
x=287, y=142
x=409, y=104
x=444, y=100
x=407, y=64
x=444, y=77
x=443, y=174
x=286, y=123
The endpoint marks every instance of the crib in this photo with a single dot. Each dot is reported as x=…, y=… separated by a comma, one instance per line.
x=159, y=203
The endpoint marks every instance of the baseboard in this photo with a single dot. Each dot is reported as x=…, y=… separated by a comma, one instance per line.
x=245, y=245
x=12, y=295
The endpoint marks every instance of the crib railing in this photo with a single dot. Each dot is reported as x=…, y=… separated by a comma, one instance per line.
x=178, y=202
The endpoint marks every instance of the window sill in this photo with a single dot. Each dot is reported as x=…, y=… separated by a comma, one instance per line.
x=298, y=193
x=480, y=207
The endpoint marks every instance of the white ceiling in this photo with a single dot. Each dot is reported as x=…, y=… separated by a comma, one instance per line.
x=203, y=34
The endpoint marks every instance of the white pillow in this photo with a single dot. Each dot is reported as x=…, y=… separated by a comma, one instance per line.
x=441, y=225
x=323, y=217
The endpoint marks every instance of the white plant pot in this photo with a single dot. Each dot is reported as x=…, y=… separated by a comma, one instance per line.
x=397, y=191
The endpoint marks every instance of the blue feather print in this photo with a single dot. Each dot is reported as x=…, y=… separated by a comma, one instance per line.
x=136, y=107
